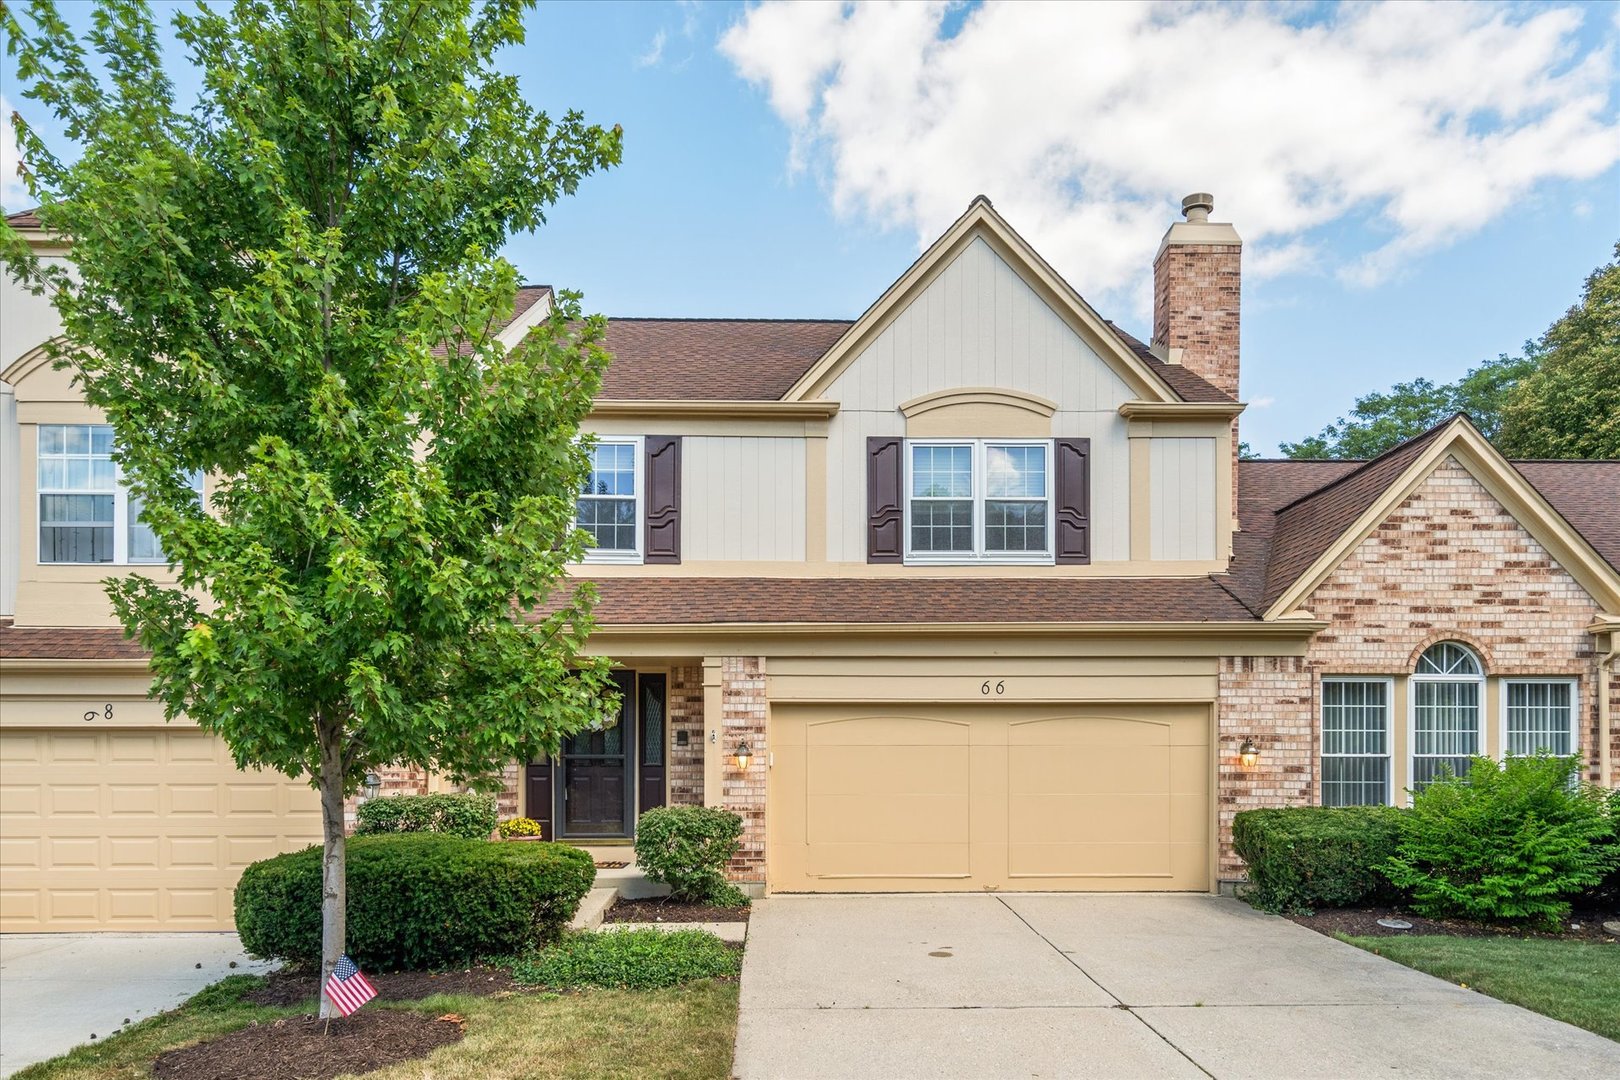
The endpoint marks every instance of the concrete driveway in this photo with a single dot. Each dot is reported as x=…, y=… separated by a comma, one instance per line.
x=58, y=990
x=1110, y=986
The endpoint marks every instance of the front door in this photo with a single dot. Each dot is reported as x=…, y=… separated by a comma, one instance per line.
x=598, y=773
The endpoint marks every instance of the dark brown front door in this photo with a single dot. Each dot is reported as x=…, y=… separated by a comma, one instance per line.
x=597, y=773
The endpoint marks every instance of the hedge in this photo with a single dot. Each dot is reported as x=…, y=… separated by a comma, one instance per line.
x=1305, y=857
x=470, y=816
x=416, y=901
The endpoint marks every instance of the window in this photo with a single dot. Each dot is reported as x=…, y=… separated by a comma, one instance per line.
x=1446, y=691
x=610, y=506
x=85, y=513
x=1356, y=742
x=974, y=500
x=1541, y=715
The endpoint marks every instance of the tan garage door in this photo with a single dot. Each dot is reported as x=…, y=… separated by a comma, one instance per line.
x=888, y=798
x=144, y=829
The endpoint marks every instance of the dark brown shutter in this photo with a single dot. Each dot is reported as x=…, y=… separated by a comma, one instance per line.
x=663, y=499
x=1072, y=485
x=537, y=780
x=885, y=516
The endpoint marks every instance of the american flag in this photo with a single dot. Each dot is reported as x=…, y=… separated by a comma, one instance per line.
x=347, y=988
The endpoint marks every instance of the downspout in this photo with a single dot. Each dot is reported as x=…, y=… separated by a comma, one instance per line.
x=1605, y=720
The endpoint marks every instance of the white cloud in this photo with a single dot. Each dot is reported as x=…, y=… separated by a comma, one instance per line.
x=13, y=195
x=654, y=53
x=1085, y=123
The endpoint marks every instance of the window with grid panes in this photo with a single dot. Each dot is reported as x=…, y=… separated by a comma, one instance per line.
x=979, y=500
x=609, y=508
x=1447, y=689
x=1355, y=742
x=1540, y=717
x=86, y=514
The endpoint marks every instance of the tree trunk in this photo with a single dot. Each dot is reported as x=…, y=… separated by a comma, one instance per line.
x=334, y=884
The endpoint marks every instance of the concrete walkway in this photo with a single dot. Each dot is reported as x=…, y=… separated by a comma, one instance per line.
x=1110, y=986
x=57, y=990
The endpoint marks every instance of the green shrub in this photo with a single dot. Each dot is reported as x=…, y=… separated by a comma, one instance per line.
x=1605, y=895
x=470, y=816
x=416, y=901
x=519, y=826
x=628, y=959
x=1306, y=857
x=1510, y=842
x=687, y=848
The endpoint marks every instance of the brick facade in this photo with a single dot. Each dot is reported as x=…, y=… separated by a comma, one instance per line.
x=742, y=718
x=1449, y=564
x=684, y=706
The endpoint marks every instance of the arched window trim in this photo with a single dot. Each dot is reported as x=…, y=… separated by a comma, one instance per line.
x=1476, y=674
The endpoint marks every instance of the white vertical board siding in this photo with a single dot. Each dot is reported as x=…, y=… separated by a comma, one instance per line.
x=978, y=324
x=1183, y=498
x=742, y=498
x=10, y=504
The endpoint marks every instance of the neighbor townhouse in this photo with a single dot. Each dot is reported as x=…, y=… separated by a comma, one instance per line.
x=971, y=592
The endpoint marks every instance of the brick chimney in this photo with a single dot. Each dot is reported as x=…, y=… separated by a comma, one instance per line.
x=1197, y=287
x=1197, y=302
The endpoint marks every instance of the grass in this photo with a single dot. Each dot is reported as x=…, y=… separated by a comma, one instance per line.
x=1577, y=982
x=682, y=1032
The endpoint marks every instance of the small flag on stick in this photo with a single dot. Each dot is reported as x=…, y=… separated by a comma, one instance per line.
x=347, y=989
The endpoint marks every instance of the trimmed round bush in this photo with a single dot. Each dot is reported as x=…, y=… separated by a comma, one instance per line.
x=687, y=848
x=1306, y=857
x=468, y=815
x=416, y=901
x=1513, y=842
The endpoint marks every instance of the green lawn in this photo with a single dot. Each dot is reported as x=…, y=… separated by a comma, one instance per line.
x=1574, y=981
x=682, y=1032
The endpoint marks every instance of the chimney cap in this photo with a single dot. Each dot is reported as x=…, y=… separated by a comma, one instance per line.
x=1197, y=206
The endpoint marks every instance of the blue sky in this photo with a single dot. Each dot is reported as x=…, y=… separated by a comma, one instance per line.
x=796, y=169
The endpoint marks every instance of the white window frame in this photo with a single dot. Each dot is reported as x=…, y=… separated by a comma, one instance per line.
x=120, y=495
x=1574, y=710
x=979, y=497
x=1415, y=677
x=1389, y=731
x=623, y=556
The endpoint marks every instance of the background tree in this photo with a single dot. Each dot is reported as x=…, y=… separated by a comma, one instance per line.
x=1561, y=399
x=1382, y=420
x=1569, y=406
x=294, y=287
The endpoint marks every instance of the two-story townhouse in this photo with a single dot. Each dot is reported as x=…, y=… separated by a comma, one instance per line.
x=971, y=592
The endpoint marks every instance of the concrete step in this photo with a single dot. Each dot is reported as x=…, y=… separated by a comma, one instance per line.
x=593, y=907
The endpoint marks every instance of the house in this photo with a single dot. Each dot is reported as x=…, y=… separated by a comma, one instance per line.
x=971, y=592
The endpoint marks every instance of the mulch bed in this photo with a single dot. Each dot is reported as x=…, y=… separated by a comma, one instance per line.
x=659, y=909
x=1363, y=922
x=609, y=864
x=302, y=1047
x=286, y=988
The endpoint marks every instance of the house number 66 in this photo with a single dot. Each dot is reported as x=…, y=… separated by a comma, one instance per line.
x=1001, y=687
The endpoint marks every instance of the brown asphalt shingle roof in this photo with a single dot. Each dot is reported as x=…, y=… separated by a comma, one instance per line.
x=1587, y=494
x=643, y=600
x=713, y=359
x=1187, y=384
x=66, y=643
x=24, y=219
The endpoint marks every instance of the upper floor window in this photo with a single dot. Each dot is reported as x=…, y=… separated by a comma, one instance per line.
x=86, y=515
x=610, y=507
x=977, y=499
x=1447, y=688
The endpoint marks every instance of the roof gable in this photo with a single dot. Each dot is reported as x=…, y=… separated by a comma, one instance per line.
x=1316, y=532
x=982, y=223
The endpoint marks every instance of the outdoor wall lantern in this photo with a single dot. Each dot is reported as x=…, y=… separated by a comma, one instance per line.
x=373, y=784
x=1248, y=753
x=743, y=754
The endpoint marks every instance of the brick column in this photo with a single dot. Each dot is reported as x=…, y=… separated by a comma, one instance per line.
x=742, y=719
x=684, y=707
x=1267, y=699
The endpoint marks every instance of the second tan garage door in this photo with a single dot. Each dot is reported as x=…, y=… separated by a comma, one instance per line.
x=138, y=829
x=895, y=798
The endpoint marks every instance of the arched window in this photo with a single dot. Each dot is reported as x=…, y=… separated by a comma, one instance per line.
x=1448, y=688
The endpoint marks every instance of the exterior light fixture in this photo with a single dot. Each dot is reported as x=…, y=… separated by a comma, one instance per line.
x=372, y=784
x=743, y=754
x=1248, y=753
